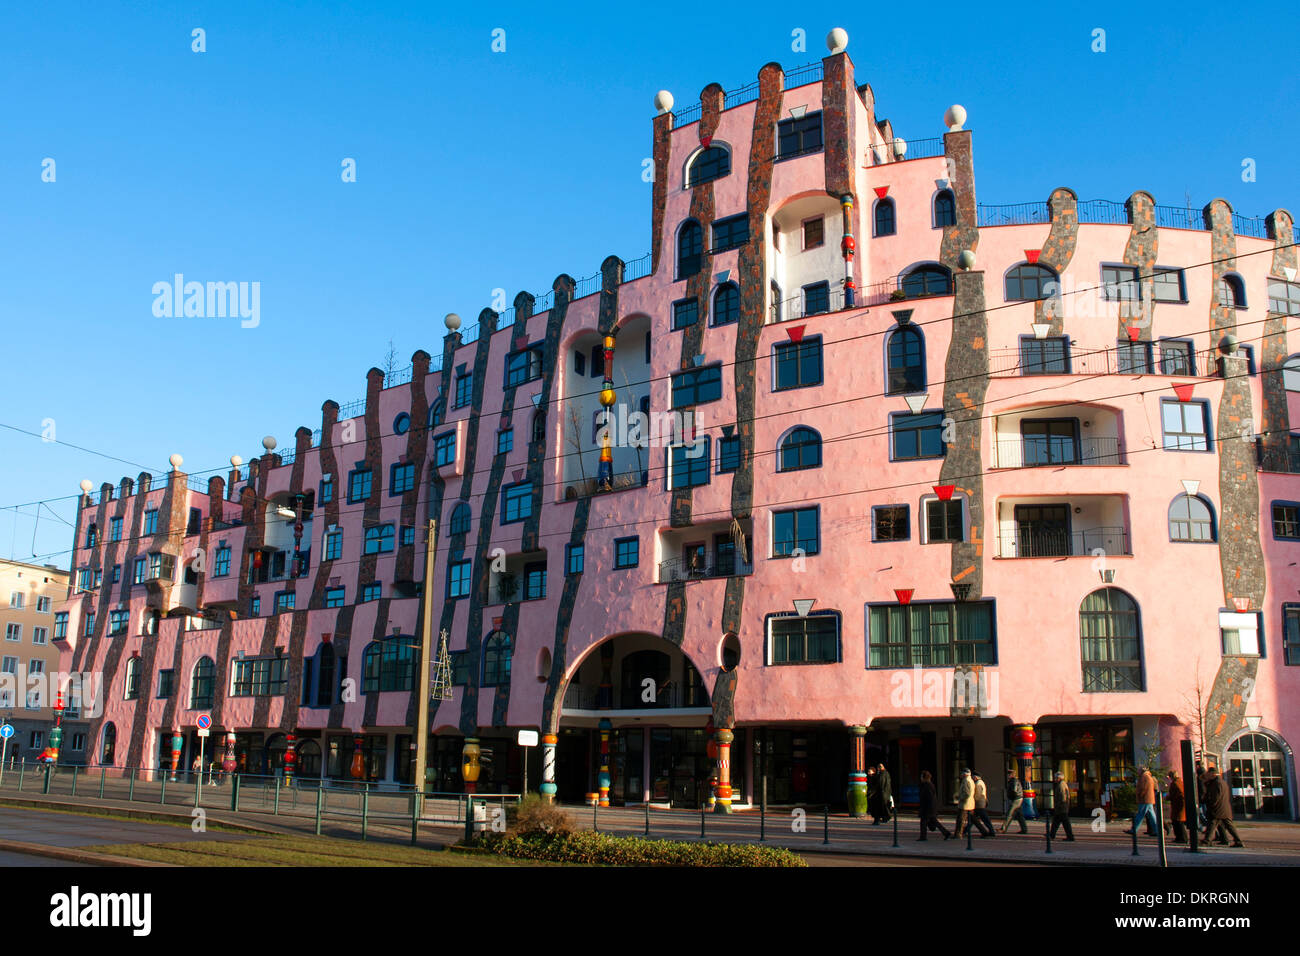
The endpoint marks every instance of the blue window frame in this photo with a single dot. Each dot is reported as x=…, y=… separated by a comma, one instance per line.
x=334, y=597
x=797, y=528
x=115, y=529
x=458, y=579
x=689, y=464
x=1134, y=358
x=730, y=233
x=60, y=625
x=333, y=545
x=221, y=566
x=916, y=436
x=814, y=639
x=460, y=519
x=401, y=478
x=151, y=521
x=372, y=592
x=816, y=298
x=523, y=366
x=905, y=360
x=686, y=312
x=379, y=540
x=945, y=209
x=712, y=163
x=464, y=389
x=255, y=606
x=1291, y=633
x=1185, y=425
x=697, y=386
x=406, y=536
x=573, y=558
x=1286, y=520
x=1177, y=357
x=535, y=581
x=444, y=449
x=797, y=364
x=690, y=248
x=885, y=220
x=797, y=137
x=926, y=280
x=891, y=523
x=437, y=413
x=359, y=485
x=726, y=304
x=505, y=442
x=516, y=502
x=1048, y=356
x=284, y=601
x=401, y=424
x=627, y=552
x=728, y=454
x=327, y=490
x=800, y=448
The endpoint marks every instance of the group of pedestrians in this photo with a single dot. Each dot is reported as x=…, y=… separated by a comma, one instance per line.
x=880, y=795
x=972, y=799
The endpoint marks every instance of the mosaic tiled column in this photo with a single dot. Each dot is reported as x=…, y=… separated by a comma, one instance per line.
x=358, y=758
x=548, y=788
x=290, y=757
x=724, y=738
x=1023, y=738
x=603, y=778
x=858, y=772
x=469, y=764
x=605, y=473
x=848, y=246
x=177, y=743
x=228, y=761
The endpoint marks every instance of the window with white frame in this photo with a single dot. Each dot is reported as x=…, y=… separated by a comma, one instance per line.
x=1239, y=633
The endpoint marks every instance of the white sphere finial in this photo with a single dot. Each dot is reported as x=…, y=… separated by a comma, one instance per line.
x=966, y=260
x=837, y=41
x=236, y=461
x=664, y=101
x=176, y=461
x=900, y=148
x=452, y=321
x=268, y=443
x=86, y=485
x=954, y=117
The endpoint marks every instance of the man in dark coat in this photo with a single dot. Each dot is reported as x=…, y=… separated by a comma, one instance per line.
x=930, y=808
x=1218, y=808
x=886, y=786
x=1177, y=808
x=1061, y=808
x=873, y=796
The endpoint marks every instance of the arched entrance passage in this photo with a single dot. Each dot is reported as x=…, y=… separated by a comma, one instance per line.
x=641, y=701
x=1258, y=764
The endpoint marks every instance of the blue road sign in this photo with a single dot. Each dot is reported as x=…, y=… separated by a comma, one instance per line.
x=7, y=731
x=204, y=722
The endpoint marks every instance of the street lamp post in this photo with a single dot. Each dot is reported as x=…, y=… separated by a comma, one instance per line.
x=426, y=643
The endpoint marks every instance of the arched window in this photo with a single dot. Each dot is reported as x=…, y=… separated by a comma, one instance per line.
x=496, y=659
x=1191, y=519
x=713, y=163
x=201, y=682
x=906, y=358
x=389, y=664
x=726, y=304
x=132, y=691
x=437, y=412
x=927, y=280
x=539, y=426
x=885, y=218
x=1291, y=373
x=1028, y=282
x=460, y=517
x=800, y=448
x=108, y=743
x=1230, y=291
x=690, y=243
x=945, y=209
x=1110, y=636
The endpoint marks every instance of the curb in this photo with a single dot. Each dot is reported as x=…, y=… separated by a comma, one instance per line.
x=143, y=816
x=77, y=855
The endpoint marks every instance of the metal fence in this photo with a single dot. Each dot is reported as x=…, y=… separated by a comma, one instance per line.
x=1038, y=542
x=1036, y=452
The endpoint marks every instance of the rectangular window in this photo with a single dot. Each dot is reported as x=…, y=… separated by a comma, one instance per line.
x=88, y=624
x=459, y=667
x=333, y=545
x=379, y=540
x=260, y=677
x=1239, y=634
x=505, y=442
x=795, y=137
x=891, y=523
x=255, y=606
x=1284, y=297
x=1135, y=358
x=535, y=581
x=327, y=490
x=1286, y=520
x=814, y=233
x=334, y=597
x=1120, y=284
x=728, y=454
x=689, y=464
x=697, y=386
x=944, y=520
x=61, y=625
x=284, y=601
x=814, y=639
x=1176, y=357
x=1186, y=425
x=1290, y=633
x=797, y=529
x=13, y=632
x=817, y=298
x=44, y=605
x=573, y=559
x=523, y=366
x=1044, y=356
x=151, y=521
x=458, y=579
x=916, y=436
x=195, y=524
x=797, y=364
x=627, y=552
x=444, y=449
x=372, y=592
x=16, y=599
x=117, y=573
x=166, y=684
x=359, y=485
x=517, y=502
x=406, y=535
x=730, y=233
x=40, y=635
x=943, y=634
x=401, y=477
x=118, y=622
x=221, y=566
x=115, y=529
x=464, y=390
x=1168, y=286
x=1049, y=441
x=686, y=312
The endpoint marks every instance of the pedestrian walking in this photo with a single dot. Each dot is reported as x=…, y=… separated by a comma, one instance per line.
x=1061, y=808
x=1177, y=808
x=1218, y=808
x=1015, y=798
x=930, y=808
x=982, y=821
x=965, y=798
x=1200, y=795
x=1146, y=801
x=873, y=796
x=886, y=785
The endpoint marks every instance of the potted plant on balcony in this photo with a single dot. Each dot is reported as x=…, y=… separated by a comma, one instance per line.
x=507, y=587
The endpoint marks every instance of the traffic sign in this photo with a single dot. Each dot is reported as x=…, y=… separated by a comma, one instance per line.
x=203, y=731
x=7, y=731
x=528, y=738
x=204, y=721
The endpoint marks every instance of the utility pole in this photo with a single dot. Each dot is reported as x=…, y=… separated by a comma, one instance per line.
x=426, y=645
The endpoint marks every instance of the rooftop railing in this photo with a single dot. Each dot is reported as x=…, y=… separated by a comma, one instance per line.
x=1107, y=212
x=799, y=76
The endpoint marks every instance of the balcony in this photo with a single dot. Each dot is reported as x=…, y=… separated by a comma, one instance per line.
x=1080, y=526
x=672, y=697
x=586, y=487
x=715, y=564
x=1040, y=540
x=1051, y=451
x=711, y=550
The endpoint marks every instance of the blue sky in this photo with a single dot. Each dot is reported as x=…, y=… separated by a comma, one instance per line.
x=478, y=170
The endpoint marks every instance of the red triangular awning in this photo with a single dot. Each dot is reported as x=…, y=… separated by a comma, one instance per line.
x=1184, y=391
x=1032, y=254
x=795, y=332
x=882, y=192
x=944, y=491
x=904, y=595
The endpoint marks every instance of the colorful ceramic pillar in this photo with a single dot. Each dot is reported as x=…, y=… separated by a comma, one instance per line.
x=56, y=735
x=847, y=248
x=711, y=753
x=724, y=738
x=605, y=472
x=858, y=772
x=290, y=757
x=603, y=778
x=177, y=743
x=469, y=769
x=548, y=788
x=358, y=757
x=1023, y=738
x=228, y=761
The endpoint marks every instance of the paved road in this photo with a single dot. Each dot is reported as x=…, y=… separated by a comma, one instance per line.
x=72, y=829
x=23, y=859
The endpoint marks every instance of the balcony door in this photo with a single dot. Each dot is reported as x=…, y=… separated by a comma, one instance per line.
x=1050, y=441
x=1042, y=531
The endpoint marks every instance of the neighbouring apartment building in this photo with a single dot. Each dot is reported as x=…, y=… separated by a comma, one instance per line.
x=30, y=658
x=932, y=483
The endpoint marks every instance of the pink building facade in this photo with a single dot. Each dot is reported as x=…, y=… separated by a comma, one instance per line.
x=944, y=471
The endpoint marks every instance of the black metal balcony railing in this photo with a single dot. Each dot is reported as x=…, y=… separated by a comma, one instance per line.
x=578, y=697
x=586, y=487
x=1026, y=541
x=1052, y=452
x=710, y=566
x=1007, y=362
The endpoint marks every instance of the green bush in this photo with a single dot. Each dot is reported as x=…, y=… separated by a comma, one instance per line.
x=586, y=846
x=535, y=816
x=1123, y=800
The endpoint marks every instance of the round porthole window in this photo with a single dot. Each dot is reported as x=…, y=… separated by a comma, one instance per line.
x=401, y=424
